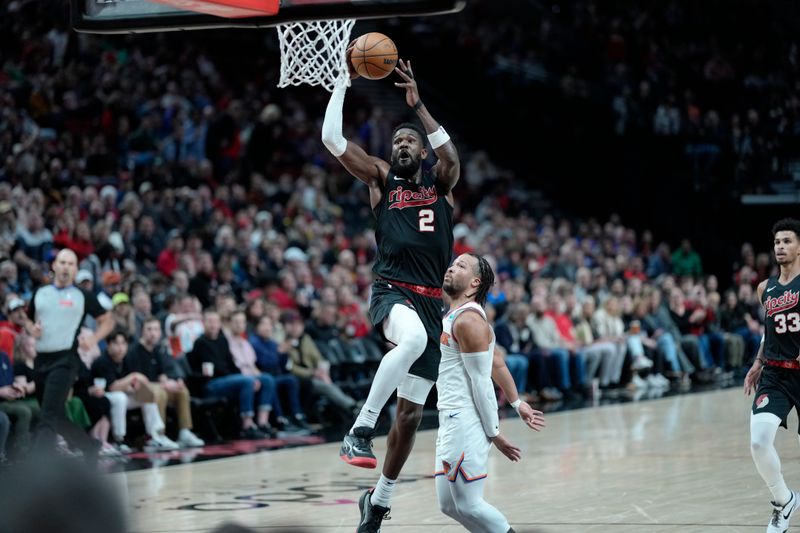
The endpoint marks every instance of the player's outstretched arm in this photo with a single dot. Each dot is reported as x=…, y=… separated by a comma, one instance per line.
x=474, y=336
x=448, y=167
x=369, y=169
x=500, y=375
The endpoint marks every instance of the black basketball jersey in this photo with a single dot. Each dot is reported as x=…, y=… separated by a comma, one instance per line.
x=414, y=232
x=782, y=320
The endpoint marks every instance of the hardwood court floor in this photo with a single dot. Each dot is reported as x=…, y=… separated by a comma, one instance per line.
x=677, y=464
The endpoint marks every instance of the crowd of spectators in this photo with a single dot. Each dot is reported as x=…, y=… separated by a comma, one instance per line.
x=719, y=79
x=236, y=255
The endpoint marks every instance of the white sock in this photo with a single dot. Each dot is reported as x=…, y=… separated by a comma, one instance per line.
x=368, y=416
x=383, y=491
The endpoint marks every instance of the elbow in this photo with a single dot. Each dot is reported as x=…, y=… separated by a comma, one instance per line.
x=335, y=143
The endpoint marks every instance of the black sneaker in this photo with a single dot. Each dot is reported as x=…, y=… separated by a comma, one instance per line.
x=357, y=448
x=253, y=433
x=300, y=421
x=269, y=431
x=371, y=515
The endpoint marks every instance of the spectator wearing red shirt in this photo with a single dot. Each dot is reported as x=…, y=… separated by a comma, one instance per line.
x=355, y=322
x=9, y=329
x=167, y=262
x=283, y=294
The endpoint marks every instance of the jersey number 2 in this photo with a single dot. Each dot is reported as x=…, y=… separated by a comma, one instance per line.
x=793, y=325
x=426, y=217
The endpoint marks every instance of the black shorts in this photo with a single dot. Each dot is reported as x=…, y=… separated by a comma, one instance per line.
x=778, y=392
x=428, y=309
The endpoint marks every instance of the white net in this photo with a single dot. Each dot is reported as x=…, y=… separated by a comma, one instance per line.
x=313, y=52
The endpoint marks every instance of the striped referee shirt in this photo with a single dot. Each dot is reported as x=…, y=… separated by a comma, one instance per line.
x=61, y=311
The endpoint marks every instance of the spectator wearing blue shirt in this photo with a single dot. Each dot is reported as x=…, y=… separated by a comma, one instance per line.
x=272, y=358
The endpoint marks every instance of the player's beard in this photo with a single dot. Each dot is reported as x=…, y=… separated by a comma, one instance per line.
x=407, y=170
x=452, y=288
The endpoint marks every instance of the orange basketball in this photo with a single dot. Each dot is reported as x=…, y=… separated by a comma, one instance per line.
x=374, y=56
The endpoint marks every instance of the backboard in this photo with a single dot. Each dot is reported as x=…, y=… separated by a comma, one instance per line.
x=138, y=16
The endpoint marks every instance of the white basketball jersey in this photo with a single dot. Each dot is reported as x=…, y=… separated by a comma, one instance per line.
x=453, y=386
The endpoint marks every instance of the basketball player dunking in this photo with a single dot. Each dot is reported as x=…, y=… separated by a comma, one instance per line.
x=414, y=212
x=468, y=421
x=776, y=370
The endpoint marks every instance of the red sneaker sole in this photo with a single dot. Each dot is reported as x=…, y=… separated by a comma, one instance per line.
x=361, y=462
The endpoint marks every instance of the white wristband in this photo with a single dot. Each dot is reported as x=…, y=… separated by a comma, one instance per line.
x=515, y=404
x=438, y=138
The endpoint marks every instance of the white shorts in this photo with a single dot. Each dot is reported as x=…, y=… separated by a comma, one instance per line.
x=462, y=447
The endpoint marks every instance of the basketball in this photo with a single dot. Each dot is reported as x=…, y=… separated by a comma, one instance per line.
x=374, y=56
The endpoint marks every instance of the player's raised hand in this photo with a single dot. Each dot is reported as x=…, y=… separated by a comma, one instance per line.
x=348, y=54
x=409, y=83
x=533, y=418
x=506, y=448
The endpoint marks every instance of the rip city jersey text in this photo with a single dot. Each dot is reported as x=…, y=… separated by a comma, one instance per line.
x=414, y=232
x=782, y=319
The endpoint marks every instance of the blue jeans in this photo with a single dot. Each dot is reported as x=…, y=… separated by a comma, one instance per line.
x=518, y=367
x=558, y=361
x=666, y=344
x=752, y=340
x=288, y=387
x=243, y=387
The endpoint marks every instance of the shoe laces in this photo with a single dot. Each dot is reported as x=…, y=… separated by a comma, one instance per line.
x=776, y=517
x=363, y=436
x=374, y=524
x=776, y=514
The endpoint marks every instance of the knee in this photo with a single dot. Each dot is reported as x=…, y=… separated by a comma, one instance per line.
x=414, y=340
x=756, y=446
x=465, y=512
x=24, y=416
x=759, y=444
x=448, y=507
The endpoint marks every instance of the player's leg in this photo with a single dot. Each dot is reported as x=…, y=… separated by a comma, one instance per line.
x=447, y=502
x=375, y=503
x=405, y=329
x=411, y=396
x=770, y=408
x=475, y=513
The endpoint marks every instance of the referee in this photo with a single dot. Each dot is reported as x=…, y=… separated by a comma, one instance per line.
x=55, y=314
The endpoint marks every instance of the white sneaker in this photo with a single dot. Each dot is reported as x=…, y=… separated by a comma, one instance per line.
x=664, y=381
x=641, y=362
x=779, y=523
x=638, y=382
x=107, y=450
x=122, y=447
x=162, y=442
x=187, y=439
x=656, y=381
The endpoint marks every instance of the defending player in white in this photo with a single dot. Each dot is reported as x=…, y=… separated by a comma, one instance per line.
x=468, y=419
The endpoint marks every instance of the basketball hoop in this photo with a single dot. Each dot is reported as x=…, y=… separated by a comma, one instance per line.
x=313, y=52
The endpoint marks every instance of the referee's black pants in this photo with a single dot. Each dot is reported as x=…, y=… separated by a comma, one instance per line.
x=54, y=374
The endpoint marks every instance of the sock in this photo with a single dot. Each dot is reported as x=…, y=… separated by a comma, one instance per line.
x=383, y=491
x=366, y=417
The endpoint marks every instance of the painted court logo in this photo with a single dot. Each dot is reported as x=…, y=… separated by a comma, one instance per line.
x=762, y=401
